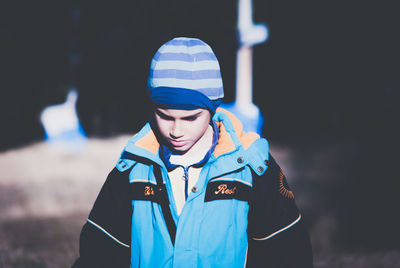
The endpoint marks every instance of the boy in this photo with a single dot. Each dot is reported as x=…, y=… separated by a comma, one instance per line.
x=191, y=189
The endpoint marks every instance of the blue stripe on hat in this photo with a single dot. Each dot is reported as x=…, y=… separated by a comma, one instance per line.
x=179, y=74
x=185, y=56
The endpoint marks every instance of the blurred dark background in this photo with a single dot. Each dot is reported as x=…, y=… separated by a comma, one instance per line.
x=327, y=78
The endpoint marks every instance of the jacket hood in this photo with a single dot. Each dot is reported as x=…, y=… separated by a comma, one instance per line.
x=232, y=142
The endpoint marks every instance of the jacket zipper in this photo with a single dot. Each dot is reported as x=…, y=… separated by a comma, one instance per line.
x=186, y=177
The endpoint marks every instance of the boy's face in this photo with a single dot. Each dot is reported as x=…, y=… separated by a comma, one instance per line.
x=181, y=129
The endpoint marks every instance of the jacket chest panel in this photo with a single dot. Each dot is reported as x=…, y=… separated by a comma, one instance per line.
x=213, y=222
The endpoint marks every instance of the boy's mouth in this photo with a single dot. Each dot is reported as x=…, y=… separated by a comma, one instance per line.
x=177, y=143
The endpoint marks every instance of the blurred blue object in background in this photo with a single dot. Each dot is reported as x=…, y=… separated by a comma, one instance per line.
x=61, y=125
x=249, y=34
x=251, y=118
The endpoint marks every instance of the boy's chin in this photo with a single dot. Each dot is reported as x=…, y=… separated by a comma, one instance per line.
x=179, y=151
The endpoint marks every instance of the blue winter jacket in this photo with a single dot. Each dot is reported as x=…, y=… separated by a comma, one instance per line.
x=240, y=203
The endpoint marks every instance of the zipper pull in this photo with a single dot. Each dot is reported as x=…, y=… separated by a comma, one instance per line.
x=185, y=173
x=186, y=178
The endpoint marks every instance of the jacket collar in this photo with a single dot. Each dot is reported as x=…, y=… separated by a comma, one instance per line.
x=166, y=153
x=231, y=134
x=232, y=142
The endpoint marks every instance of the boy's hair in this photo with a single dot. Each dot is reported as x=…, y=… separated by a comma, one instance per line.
x=185, y=74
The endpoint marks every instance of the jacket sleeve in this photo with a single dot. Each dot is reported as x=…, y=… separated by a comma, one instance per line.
x=276, y=233
x=105, y=237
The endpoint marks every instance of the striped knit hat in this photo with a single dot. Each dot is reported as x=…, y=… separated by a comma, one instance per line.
x=185, y=74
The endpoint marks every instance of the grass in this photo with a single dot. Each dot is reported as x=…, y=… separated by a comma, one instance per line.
x=46, y=195
x=40, y=242
x=50, y=242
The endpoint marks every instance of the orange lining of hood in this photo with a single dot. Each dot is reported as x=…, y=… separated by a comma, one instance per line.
x=149, y=142
x=225, y=142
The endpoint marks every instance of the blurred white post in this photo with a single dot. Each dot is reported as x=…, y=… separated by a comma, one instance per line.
x=61, y=125
x=249, y=35
x=60, y=122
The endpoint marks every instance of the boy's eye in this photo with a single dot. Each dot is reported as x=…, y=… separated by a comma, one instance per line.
x=190, y=118
x=165, y=117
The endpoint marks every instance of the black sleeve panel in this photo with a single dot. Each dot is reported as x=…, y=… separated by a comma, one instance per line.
x=276, y=233
x=105, y=238
x=288, y=249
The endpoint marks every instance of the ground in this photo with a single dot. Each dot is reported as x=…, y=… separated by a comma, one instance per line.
x=46, y=195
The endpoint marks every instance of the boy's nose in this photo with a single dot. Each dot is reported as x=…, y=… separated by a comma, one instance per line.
x=176, y=130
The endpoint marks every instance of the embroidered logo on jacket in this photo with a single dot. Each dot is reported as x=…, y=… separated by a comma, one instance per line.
x=224, y=189
x=144, y=191
x=148, y=190
x=283, y=187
